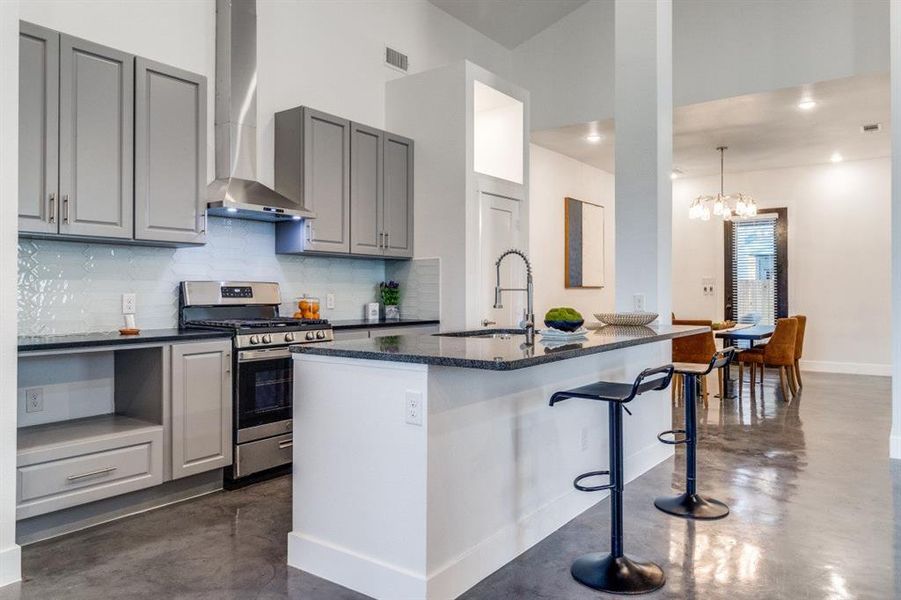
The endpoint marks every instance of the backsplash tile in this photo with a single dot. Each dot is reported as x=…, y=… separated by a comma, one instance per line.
x=420, y=279
x=74, y=287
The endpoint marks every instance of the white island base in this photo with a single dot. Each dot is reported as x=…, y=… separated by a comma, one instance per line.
x=404, y=511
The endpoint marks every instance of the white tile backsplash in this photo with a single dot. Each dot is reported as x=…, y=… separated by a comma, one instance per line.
x=74, y=287
x=419, y=290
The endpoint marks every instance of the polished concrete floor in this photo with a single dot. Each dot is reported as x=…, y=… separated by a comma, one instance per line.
x=812, y=492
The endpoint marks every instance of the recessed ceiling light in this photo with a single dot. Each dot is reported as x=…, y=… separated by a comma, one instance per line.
x=806, y=104
x=836, y=157
x=594, y=138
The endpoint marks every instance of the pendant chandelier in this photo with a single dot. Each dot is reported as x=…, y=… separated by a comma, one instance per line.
x=726, y=206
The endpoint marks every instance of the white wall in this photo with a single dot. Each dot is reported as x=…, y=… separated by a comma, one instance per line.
x=553, y=177
x=328, y=54
x=720, y=49
x=838, y=255
x=9, y=134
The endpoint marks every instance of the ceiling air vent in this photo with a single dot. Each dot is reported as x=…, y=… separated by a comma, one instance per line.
x=396, y=59
x=871, y=127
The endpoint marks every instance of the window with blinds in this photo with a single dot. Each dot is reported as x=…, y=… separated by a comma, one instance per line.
x=755, y=293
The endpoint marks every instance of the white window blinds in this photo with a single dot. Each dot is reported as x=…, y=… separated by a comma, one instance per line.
x=754, y=264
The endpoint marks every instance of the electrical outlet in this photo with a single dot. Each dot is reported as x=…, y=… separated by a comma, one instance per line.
x=638, y=302
x=330, y=301
x=34, y=400
x=413, y=408
x=709, y=286
x=584, y=439
x=129, y=302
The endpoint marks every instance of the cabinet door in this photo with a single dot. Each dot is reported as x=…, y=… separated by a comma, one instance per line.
x=201, y=407
x=366, y=165
x=170, y=153
x=326, y=181
x=398, y=212
x=96, y=146
x=38, y=129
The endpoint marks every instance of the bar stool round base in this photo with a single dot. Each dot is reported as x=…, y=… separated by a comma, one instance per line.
x=621, y=575
x=692, y=506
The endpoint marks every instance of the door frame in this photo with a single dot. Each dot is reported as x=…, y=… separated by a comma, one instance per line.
x=781, y=263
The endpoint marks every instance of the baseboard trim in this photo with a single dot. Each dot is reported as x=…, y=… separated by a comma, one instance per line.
x=894, y=450
x=10, y=565
x=847, y=368
x=370, y=576
x=355, y=571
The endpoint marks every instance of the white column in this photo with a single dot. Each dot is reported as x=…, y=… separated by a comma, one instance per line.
x=644, y=153
x=895, y=42
x=9, y=193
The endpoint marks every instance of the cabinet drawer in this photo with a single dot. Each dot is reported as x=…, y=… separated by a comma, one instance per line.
x=57, y=484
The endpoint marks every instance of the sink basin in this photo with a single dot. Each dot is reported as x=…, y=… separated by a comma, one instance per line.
x=497, y=334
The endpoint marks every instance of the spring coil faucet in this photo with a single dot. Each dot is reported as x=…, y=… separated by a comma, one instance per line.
x=529, y=321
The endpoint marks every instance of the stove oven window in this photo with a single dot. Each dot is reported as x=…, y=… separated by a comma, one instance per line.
x=264, y=392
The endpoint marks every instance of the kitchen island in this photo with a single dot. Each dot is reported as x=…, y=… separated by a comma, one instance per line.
x=424, y=463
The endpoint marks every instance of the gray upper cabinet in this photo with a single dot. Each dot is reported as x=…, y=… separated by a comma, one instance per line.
x=366, y=190
x=170, y=154
x=358, y=181
x=96, y=146
x=38, y=129
x=201, y=407
x=397, y=216
x=312, y=167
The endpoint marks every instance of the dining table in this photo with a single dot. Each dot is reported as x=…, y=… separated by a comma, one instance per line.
x=740, y=333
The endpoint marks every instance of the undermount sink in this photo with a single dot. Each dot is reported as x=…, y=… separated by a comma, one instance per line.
x=497, y=334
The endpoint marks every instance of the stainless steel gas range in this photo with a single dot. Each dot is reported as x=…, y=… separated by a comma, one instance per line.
x=263, y=383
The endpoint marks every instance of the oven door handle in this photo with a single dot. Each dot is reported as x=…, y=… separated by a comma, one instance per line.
x=266, y=354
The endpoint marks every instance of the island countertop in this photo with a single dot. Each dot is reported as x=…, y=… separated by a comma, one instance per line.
x=498, y=353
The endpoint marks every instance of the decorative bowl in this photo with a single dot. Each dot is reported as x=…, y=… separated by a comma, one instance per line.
x=626, y=318
x=564, y=325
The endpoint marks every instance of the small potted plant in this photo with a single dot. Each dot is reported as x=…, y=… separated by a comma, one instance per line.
x=389, y=291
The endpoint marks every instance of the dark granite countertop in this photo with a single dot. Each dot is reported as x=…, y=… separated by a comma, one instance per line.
x=497, y=354
x=90, y=340
x=364, y=324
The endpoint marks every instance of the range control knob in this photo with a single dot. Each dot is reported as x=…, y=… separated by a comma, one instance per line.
x=254, y=339
x=320, y=335
x=267, y=339
x=289, y=337
x=310, y=335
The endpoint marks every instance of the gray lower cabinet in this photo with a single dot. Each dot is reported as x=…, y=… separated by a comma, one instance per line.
x=201, y=407
x=366, y=190
x=38, y=129
x=312, y=167
x=96, y=146
x=397, y=214
x=170, y=153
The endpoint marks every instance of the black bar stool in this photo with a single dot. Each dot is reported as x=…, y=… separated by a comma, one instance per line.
x=692, y=505
x=615, y=572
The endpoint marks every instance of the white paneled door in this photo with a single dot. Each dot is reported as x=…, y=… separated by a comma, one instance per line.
x=501, y=230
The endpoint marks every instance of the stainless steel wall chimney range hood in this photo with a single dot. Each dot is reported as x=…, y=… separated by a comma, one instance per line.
x=236, y=192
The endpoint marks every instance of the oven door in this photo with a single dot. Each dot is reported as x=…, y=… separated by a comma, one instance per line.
x=264, y=387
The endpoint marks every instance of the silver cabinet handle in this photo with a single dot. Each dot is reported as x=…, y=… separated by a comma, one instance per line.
x=486, y=322
x=52, y=215
x=386, y=240
x=381, y=239
x=91, y=474
x=65, y=208
x=204, y=218
x=285, y=444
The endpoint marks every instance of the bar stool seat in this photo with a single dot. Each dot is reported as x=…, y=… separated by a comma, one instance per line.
x=691, y=504
x=614, y=572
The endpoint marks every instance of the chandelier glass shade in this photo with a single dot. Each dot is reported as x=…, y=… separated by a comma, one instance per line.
x=727, y=206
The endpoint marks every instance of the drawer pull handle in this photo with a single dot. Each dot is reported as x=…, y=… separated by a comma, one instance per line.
x=285, y=444
x=91, y=474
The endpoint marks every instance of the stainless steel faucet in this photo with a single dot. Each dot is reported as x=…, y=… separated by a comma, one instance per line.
x=529, y=323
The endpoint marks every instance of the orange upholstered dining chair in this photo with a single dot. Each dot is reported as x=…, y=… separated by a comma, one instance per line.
x=698, y=349
x=799, y=347
x=778, y=352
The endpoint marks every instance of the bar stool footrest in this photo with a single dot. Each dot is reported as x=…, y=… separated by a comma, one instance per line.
x=591, y=488
x=674, y=433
